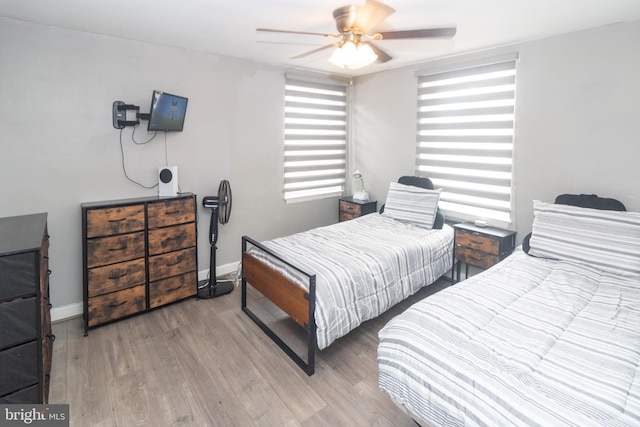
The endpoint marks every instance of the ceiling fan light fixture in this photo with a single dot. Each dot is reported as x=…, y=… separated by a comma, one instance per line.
x=352, y=56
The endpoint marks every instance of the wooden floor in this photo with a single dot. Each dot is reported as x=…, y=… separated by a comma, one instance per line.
x=205, y=363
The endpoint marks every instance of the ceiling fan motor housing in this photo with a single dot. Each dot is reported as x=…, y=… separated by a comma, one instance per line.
x=345, y=18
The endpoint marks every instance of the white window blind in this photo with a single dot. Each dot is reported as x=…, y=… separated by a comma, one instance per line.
x=465, y=139
x=315, y=140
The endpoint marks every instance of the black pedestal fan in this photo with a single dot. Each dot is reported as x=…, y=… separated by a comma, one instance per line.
x=220, y=206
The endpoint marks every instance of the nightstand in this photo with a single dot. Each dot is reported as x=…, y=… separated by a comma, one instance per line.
x=351, y=208
x=481, y=246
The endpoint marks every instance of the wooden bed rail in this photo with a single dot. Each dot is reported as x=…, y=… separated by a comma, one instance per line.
x=297, y=302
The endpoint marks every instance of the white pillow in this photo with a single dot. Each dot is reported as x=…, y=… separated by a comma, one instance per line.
x=413, y=204
x=607, y=240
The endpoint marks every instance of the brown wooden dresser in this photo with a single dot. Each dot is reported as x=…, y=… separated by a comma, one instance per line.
x=139, y=254
x=351, y=208
x=26, y=341
x=481, y=247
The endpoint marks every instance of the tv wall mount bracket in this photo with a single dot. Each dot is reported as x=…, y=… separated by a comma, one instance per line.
x=119, y=115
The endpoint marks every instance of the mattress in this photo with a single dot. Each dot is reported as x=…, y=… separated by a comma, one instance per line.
x=529, y=342
x=363, y=267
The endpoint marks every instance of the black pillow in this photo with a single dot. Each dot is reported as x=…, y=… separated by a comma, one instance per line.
x=590, y=201
x=584, y=201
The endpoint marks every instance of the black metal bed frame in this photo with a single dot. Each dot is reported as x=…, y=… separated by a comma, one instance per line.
x=310, y=296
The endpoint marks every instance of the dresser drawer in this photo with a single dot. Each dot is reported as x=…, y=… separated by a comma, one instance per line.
x=475, y=257
x=112, y=306
x=110, y=250
x=17, y=367
x=170, y=239
x=29, y=394
x=171, y=212
x=172, y=264
x=18, y=275
x=18, y=319
x=172, y=289
x=478, y=242
x=117, y=220
x=115, y=277
x=350, y=208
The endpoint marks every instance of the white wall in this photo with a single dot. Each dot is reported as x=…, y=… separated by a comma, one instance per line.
x=577, y=127
x=58, y=147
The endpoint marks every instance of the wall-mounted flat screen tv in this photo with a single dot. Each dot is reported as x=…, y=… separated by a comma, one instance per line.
x=167, y=112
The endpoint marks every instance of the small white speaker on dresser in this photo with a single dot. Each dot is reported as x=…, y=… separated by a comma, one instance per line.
x=167, y=181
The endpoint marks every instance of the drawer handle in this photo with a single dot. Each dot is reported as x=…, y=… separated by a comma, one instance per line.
x=117, y=276
x=121, y=248
x=477, y=242
x=118, y=304
x=172, y=212
x=171, y=264
x=117, y=220
x=174, y=289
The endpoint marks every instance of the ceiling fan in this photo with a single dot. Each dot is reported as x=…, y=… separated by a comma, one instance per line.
x=355, y=25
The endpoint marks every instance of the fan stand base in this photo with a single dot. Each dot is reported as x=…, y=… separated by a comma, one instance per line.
x=220, y=288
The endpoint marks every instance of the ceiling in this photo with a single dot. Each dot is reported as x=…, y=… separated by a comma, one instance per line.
x=228, y=27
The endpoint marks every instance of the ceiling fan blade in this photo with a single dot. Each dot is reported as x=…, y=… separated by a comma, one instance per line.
x=370, y=15
x=302, y=55
x=270, y=30
x=415, y=34
x=382, y=55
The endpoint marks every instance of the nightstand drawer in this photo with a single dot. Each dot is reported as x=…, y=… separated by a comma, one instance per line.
x=476, y=258
x=478, y=242
x=350, y=208
x=481, y=247
x=344, y=216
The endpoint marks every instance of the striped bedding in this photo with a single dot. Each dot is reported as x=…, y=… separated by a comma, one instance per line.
x=363, y=267
x=529, y=342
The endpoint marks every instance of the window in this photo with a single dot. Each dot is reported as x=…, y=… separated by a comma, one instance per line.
x=315, y=140
x=465, y=138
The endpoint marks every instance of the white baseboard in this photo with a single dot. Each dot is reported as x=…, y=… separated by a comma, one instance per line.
x=65, y=312
x=220, y=270
x=72, y=310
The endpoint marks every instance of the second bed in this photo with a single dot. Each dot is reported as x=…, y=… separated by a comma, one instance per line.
x=331, y=279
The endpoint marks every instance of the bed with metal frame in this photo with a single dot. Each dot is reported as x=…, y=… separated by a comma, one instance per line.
x=291, y=283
